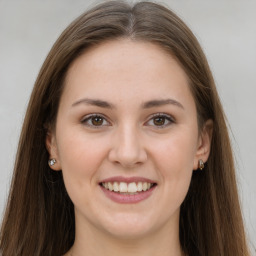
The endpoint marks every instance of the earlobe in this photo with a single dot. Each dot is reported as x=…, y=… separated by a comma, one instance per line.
x=204, y=145
x=51, y=146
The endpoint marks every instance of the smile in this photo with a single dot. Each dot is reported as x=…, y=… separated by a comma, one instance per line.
x=127, y=188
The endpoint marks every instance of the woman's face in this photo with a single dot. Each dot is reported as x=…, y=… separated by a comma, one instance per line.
x=127, y=139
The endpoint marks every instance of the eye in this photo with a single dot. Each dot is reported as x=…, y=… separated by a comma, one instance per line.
x=95, y=121
x=160, y=120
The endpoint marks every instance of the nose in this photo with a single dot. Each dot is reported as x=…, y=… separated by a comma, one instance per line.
x=127, y=148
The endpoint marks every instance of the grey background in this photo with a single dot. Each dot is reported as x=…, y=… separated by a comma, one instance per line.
x=226, y=30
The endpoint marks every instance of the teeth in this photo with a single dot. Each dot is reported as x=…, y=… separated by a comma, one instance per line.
x=110, y=186
x=132, y=187
x=139, y=186
x=144, y=186
x=123, y=187
x=116, y=187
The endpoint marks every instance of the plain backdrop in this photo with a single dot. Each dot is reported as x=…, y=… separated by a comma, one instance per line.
x=226, y=30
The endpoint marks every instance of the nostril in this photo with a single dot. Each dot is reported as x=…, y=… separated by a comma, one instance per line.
x=128, y=153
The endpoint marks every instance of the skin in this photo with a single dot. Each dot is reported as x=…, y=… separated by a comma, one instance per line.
x=130, y=142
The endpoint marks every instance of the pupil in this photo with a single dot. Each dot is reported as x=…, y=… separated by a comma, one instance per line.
x=97, y=120
x=159, y=121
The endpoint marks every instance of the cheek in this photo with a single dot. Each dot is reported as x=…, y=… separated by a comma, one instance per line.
x=177, y=152
x=80, y=158
x=174, y=158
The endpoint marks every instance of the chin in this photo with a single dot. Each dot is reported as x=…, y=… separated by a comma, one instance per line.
x=129, y=226
x=129, y=233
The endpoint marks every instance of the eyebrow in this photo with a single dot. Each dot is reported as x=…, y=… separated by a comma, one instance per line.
x=94, y=102
x=158, y=103
x=145, y=105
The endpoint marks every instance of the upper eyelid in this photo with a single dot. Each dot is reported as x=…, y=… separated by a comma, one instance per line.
x=162, y=115
x=159, y=114
x=92, y=115
x=169, y=117
x=88, y=116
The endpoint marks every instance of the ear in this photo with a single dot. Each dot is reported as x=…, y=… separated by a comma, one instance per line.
x=52, y=149
x=204, y=144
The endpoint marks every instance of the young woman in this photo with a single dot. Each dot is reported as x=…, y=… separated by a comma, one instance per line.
x=124, y=148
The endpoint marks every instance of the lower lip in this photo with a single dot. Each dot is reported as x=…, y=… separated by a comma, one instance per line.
x=128, y=199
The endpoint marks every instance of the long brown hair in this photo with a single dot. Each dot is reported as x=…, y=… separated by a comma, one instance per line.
x=39, y=218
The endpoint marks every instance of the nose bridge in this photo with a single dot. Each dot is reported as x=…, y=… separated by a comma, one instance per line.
x=127, y=148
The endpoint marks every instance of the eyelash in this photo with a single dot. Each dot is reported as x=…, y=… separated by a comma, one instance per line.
x=89, y=118
x=167, y=117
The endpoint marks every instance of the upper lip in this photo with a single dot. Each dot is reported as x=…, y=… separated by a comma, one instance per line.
x=127, y=179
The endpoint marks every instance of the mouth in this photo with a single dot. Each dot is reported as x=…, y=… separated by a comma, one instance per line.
x=128, y=190
x=125, y=188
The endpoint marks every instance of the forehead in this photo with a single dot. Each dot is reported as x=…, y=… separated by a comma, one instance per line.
x=127, y=69
x=123, y=53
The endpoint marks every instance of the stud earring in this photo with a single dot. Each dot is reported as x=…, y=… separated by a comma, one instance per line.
x=52, y=162
x=201, y=164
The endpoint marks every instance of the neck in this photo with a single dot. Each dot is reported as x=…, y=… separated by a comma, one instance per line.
x=93, y=242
